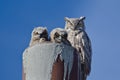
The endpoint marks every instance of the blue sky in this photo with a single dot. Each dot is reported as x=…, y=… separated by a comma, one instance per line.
x=19, y=17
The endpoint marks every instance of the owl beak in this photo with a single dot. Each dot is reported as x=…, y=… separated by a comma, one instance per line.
x=60, y=38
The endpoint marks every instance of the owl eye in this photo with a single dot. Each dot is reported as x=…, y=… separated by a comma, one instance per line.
x=36, y=33
x=64, y=36
x=79, y=23
x=56, y=34
x=69, y=23
x=45, y=32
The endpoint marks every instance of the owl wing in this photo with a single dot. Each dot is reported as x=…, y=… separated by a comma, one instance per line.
x=85, y=45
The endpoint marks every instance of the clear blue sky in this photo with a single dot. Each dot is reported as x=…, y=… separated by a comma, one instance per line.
x=19, y=17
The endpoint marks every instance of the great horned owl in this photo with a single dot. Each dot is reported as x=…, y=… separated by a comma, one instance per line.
x=39, y=35
x=74, y=23
x=80, y=40
x=59, y=35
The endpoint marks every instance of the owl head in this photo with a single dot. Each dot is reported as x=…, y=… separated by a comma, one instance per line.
x=58, y=35
x=40, y=33
x=74, y=23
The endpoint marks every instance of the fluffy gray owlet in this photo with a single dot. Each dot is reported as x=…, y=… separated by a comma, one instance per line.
x=39, y=35
x=59, y=35
x=80, y=40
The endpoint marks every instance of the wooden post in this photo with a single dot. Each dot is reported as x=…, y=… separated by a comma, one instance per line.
x=51, y=61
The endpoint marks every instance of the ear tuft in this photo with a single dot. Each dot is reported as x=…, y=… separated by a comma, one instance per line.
x=82, y=17
x=66, y=19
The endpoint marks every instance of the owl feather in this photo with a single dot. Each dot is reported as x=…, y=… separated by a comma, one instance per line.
x=39, y=35
x=79, y=39
x=59, y=35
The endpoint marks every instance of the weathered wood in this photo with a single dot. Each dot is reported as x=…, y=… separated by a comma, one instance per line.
x=51, y=61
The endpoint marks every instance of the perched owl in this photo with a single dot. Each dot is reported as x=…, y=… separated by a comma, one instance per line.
x=59, y=35
x=79, y=39
x=39, y=35
x=74, y=23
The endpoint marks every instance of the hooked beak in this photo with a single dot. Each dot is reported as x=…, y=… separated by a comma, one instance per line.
x=60, y=38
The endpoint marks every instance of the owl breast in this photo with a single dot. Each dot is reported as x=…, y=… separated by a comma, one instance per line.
x=72, y=38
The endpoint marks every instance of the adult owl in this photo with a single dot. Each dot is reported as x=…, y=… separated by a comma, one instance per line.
x=39, y=35
x=59, y=35
x=79, y=39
